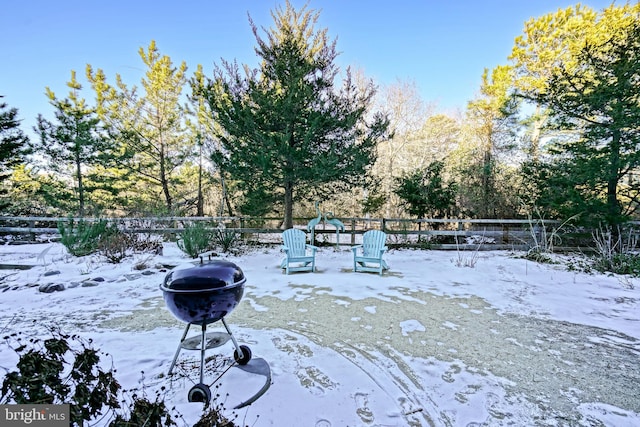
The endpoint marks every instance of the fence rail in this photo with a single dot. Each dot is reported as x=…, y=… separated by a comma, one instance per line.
x=454, y=233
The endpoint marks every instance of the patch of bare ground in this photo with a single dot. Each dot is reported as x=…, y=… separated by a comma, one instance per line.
x=551, y=367
x=554, y=366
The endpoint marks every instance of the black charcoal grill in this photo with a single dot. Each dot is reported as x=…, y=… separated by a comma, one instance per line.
x=201, y=294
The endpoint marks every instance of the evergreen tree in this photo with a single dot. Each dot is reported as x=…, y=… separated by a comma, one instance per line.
x=288, y=132
x=13, y=145
x=205, y=129
x=74, y=142
x=594, y=96
x=424, y=192
x=546, y=43
x=149, y=127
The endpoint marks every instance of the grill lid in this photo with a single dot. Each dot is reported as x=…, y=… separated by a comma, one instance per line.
x=216, y=274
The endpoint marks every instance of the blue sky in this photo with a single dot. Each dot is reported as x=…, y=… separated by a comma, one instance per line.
x=443, y=46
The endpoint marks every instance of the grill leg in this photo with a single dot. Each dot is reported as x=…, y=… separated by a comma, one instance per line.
x=235, y=343
x=184, y=336
x=203, y=347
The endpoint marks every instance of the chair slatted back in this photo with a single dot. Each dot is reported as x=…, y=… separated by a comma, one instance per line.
x=295, y=240
x=372, y=242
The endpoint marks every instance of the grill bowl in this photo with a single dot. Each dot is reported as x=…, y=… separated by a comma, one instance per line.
x=203, y=293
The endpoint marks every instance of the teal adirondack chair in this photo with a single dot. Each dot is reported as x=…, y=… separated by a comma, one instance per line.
x=299, y=255
x=368, y=255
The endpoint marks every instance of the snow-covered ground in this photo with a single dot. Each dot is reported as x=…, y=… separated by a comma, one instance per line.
x=441, y=339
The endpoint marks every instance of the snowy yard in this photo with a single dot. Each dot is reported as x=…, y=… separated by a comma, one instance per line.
x=506, y=342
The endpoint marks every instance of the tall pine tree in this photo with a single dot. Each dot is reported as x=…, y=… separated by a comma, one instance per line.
x=593, y=95
x=288, y=133
x=74, y=142
x=148, y=126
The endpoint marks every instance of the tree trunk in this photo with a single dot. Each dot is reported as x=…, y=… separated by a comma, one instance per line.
x=165, y=183
x=225, y=199
x=536, y=132
x=80, y=186
x=613, y=205
x=200, y=201
x=389, y=184
x=288, y=205
x=487, y=180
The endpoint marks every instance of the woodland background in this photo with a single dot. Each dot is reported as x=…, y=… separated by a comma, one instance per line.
x=553, y=133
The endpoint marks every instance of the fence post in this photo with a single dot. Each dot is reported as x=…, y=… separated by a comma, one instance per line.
x=32, y=235
x=353, y=231
x=243, y=236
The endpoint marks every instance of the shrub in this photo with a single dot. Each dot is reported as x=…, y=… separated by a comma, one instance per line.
x=544, y=242
x=539, y=257
x=85, y=238
x=115, y=245
x=468, y=260
x=213, y=418
x=54, y=371
x=64, y=369
x=225, y=239
x=626, y=263
x=616, y=251
x=195, y=239
x=144, y=242
x=82, y=237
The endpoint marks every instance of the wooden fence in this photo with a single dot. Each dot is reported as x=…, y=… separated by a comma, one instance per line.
x=455, y=233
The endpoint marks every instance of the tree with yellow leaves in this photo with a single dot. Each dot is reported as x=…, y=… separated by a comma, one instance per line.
x=590, y=88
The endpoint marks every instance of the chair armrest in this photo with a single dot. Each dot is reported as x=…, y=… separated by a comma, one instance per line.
x=313, y=248
x=355, y=248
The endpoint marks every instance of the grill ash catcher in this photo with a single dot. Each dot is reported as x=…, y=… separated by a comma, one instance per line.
x=201, y=294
